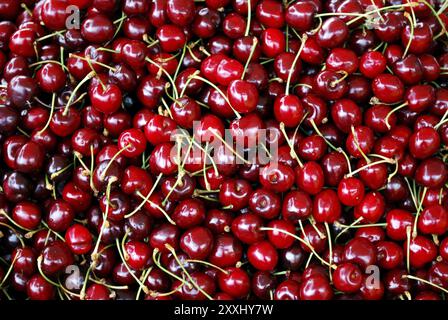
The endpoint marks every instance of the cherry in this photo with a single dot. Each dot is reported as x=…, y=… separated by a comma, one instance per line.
x=326, y=206
x=287, y=290
x=334, y=166
x=79, y=239
x=361, y=252
x=234, y=26
x=424, y=143
x=97, y=291
x=310, y=177
x=346, y=113
x=371, y=208
x=421, y=251
x=333, y=32
x=330, y=84
x=270, y=13
x=234, y=282
x=234, y=193
x=420, y=40
x=276, y=235
x=138, y=254
x=314, y=235
x=372, y=64
x=27, y=215
x=272, y=42
x=21, y=42
x=316, y=287
x=246, y=228
x=433, y=220
x=398, y=222
x=347, y=277
x=60, y=215
x=300, y=15
x=408, y=69
x=351, y=191
x=37, y=288
x=25, y=261
x=341, y=59
x=16, y=187
x=388, y=88
x=243, y=96
x=197, y=243
x=389, y=254
x=97, y=29
x=431, y=173
x=265, y=203
x=360, y=141
x=56, y=257
x=262, y=256
x=226, y=252
x=395, y=282
x=296, y=206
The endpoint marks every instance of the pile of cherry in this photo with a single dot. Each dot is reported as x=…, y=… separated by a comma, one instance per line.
x=93, y=204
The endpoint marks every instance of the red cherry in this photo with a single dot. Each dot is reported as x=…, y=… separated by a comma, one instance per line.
x=262, y=256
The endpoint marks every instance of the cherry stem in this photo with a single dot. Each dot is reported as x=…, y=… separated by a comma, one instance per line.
x=173, y=252
x=3, y=212
x=56, y=33
x=19, y=236
x=157, y=206
x=207, y=184
x=425, y=281
x=442, y=121
x=443, y=8
x=306, y=243
x=390, y=161
x=208, y=264
x=105, y=223
x=82, y=293
x=50, y=117
x=408, y=241
x=330, y=249
x=38, y=63
x=296, y=58
x=39, y=268
x=159, y=265
x=412, y=192
x=229, y=147
x=292, y=152
x=145, y=198
x=346, y=228
x=121, y=253
x=252, y=50
x=378, y=10
x=116, y=155
x=408, y=45
x=143, y=279
x=249, y=18
x=220, y=92
x=170, y=79
x=197, y=72
x=417, y=215
x=9, y=270
x=355, y=138
x=344, y=75
x=57, y=173
x=89, y=76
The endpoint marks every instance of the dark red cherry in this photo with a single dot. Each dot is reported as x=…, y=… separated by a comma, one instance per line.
x=421, y=251
x=262, y=256
x=347, y=277
x=388, y=88
x=316, y=287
